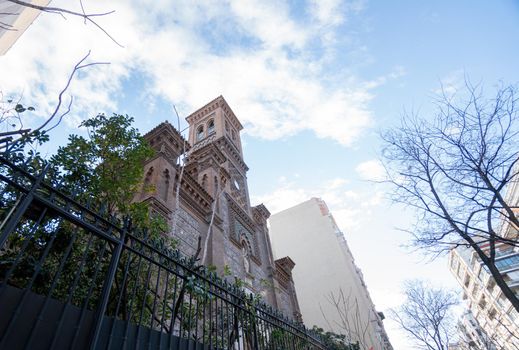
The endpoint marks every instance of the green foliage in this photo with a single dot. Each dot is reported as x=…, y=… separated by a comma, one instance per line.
x=19, y=108
x=211, y=268
x=52, y=256
x=108, y=163
x=14, y=136
x=227, y=270
x=334, y=341
x=104, y=171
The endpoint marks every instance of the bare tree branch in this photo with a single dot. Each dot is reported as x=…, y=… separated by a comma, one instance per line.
x=455, y=171
x=61, y=11
x=57, y=115
x=426, y=315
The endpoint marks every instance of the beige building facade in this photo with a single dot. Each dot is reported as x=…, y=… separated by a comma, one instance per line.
x=327, y=279
x=212, y=210
x=471, y=335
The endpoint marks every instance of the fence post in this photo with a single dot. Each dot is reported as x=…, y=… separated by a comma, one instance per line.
x=22, y=207
x=107, y=286
x=254, y=324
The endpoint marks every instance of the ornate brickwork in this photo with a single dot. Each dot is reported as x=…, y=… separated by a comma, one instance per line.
x=188, y=228
x=214, y=176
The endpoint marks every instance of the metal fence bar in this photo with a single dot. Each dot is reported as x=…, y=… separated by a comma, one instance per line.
x=154, y=298
x=107, y=286
x=13, y=220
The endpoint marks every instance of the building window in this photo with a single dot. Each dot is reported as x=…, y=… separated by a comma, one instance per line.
x=200, y=133
x=508, y=262
x=233, y=135
x=210, y=127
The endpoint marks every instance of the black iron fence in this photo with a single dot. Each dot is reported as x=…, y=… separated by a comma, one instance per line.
x=71, y=278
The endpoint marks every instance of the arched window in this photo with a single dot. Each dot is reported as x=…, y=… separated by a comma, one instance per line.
x=200, y=133
x=210, y=127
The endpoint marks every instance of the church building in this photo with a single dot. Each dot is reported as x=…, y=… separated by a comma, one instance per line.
x=212, y=209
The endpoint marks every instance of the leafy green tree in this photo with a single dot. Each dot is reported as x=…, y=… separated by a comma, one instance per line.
x=103, y=170
x=107, y=164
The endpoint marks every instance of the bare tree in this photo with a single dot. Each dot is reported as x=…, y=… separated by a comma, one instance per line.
x=350, y=320
x=12, y=129
x=426, y=315
x=455, y=170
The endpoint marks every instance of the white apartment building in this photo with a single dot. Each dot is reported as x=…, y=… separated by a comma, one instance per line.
x=489, y=307
x=471, y=335
x=325, y=274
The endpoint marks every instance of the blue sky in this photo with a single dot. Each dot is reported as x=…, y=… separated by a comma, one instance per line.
x=313, y=82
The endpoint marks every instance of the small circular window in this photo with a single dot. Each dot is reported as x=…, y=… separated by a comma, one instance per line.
x=236, y=184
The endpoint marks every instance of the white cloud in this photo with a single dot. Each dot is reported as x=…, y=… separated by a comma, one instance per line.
x=189, y=53
x=327, y=12
x=451, y=83
x=371, y=170
x=336, y=183
x=350, y=208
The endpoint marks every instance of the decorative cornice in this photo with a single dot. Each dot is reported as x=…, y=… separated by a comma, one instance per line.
x=282, y=276
x=157, y=204
x=227, y=145
x=245, y=218
x=211, y=106
x=209, y=149
x=195, y=193
x=163, y=156
x=283, y=272
x=260, y=213
x=286, y=263
x=202, y=143
x=169, y=130
x=224, y=174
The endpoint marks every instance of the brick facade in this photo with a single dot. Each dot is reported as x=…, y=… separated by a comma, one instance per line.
x=214, y=175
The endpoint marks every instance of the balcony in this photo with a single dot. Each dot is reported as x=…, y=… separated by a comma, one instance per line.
x=508, y=262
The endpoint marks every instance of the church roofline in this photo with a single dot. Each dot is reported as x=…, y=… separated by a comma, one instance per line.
x=262, y=210
x=171, y=129
x=286, y=262
x=217, y=102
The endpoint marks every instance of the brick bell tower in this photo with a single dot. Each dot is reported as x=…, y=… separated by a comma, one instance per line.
x=214, y=174
x=216, y=156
